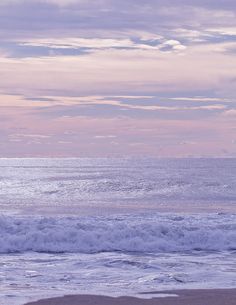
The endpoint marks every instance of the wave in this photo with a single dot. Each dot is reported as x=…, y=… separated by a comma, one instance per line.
x=141, y=233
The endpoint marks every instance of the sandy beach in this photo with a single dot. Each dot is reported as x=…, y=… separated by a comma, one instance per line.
x=185, y=297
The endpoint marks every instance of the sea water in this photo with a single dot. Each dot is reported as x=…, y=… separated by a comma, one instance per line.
x=115, y=226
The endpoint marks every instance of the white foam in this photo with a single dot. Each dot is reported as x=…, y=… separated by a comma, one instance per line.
x=157, y=233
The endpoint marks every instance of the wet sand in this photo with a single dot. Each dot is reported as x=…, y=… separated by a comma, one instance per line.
x=185, y=297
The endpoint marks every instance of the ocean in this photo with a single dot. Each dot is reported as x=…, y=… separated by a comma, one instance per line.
x=115, y=226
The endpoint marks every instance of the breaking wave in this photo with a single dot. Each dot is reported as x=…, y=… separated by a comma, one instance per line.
x=141, y=233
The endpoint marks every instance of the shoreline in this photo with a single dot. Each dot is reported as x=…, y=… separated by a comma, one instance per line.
x=184, y=297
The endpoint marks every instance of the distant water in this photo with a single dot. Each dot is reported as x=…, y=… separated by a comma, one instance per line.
x=115, y=226
x=81, y=184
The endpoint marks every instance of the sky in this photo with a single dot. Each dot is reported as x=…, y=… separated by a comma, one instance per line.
x=109, y=78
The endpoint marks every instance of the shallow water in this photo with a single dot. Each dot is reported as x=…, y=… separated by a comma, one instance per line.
x=31, y=276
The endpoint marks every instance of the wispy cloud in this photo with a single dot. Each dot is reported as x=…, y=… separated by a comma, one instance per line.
x=230, y=113
x=200, y=99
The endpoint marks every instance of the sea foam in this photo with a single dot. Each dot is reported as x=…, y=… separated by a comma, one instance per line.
x=140, y=233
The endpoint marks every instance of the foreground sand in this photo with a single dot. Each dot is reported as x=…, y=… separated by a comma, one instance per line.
x=185, y=297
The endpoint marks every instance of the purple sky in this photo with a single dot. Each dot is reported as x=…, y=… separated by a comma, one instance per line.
x=117, y=78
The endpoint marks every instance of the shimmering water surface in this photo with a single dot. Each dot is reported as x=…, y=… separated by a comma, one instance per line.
x=115, y=226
